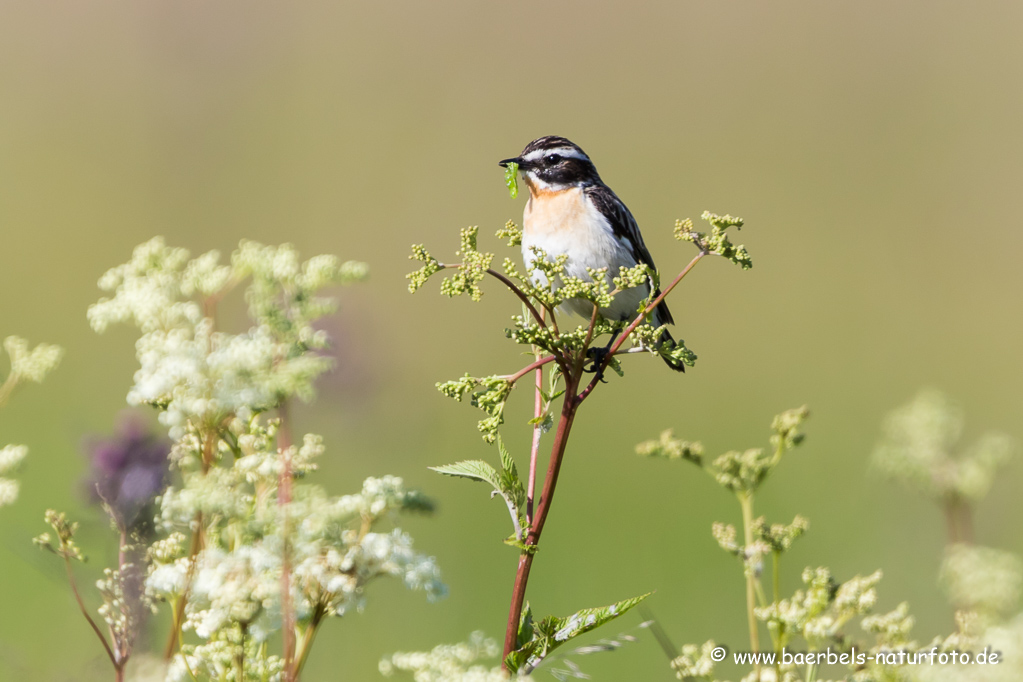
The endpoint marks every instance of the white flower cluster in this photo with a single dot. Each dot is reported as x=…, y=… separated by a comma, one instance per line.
x=695, y=662
x=193, y=372
x=982, y=579
x=235, y=580
x=818, y=613
x=450, y=662
x=27, y=364
x=1003, y=638
x=337, y=554
x=230, y=531
x=920, y=447
x=240, y=586
x=31, y=364
x=217, y=660
x=10, y=458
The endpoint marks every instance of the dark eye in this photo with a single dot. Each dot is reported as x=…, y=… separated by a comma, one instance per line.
x=554, y=159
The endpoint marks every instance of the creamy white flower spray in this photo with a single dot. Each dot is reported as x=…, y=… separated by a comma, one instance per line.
x=245, y=549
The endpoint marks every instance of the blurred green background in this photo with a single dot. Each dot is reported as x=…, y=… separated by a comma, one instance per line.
x=874, y=148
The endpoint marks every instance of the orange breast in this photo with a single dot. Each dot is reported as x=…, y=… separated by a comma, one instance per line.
x=549, y=212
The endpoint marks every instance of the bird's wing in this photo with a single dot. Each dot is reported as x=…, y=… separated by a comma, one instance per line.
x=626, y=230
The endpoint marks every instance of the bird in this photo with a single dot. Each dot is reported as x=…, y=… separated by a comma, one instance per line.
x=571, y=212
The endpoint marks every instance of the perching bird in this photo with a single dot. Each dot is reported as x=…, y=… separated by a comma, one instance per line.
x=571, y=211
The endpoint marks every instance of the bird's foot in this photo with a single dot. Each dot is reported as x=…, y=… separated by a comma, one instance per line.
x=597, y=356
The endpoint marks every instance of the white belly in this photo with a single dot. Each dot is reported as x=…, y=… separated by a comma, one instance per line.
x=566, y=223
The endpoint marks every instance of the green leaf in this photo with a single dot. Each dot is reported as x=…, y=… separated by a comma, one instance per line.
x=537, y=640
x=507, y=463
x=517, y=658
x=474, y=469
x=511, y=179
x=506, y=484
x=511, y=487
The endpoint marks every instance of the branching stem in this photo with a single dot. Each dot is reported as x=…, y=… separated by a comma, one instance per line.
x=508, y=283
x=307, y=640
x=540, y=362
x=568, y=410
x=178, y=614
x=635, y=323
x=573, y=398
x=118, y=665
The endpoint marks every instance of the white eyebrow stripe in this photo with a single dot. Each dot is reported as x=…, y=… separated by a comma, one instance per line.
x=567, y=152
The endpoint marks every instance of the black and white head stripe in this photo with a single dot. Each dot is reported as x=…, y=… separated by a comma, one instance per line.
x=552, y=145
x=554, y=162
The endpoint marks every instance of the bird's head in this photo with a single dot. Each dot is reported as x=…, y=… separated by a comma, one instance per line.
x=554, y=164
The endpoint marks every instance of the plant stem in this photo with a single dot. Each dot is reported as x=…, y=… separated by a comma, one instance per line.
x=568, y=409
x=283, y=500
x=178, y=614
x=85, y=612
x=775, y=575
x=508, y=283
x=534, y=449
x=240, y=660
x=746, y=502
x=573, y=398
x=307, y=642
x=635, y=323
x=535, y=365
x=958, y=523
x=779, y=638
x=7, y=388
x=195, y=546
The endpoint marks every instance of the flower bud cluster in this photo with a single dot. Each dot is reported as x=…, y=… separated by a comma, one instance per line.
x=716, y=241
x=491, y=397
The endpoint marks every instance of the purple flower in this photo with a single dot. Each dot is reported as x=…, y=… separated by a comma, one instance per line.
x=127, y=470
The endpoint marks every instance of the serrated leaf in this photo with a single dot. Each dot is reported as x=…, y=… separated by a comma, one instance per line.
x=519, y=655
x=547, y=424
x=552, y=632
x=474, y=469
x=507, y=463
x=511, y=486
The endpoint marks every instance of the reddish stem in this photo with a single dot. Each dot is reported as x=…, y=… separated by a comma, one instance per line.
x=572, y=400
x=635, y=323
x=568, y=410
x=512, y=378
x=535, y=449
x=283, y=499
x=85, y=612
x=511, y=286
x=958, y=520
x=195, y=546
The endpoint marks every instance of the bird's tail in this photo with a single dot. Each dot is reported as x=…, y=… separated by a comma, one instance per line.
x=668, y=343
x=663, y=316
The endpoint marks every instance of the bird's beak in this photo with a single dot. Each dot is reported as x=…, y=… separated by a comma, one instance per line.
x=517, y=160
